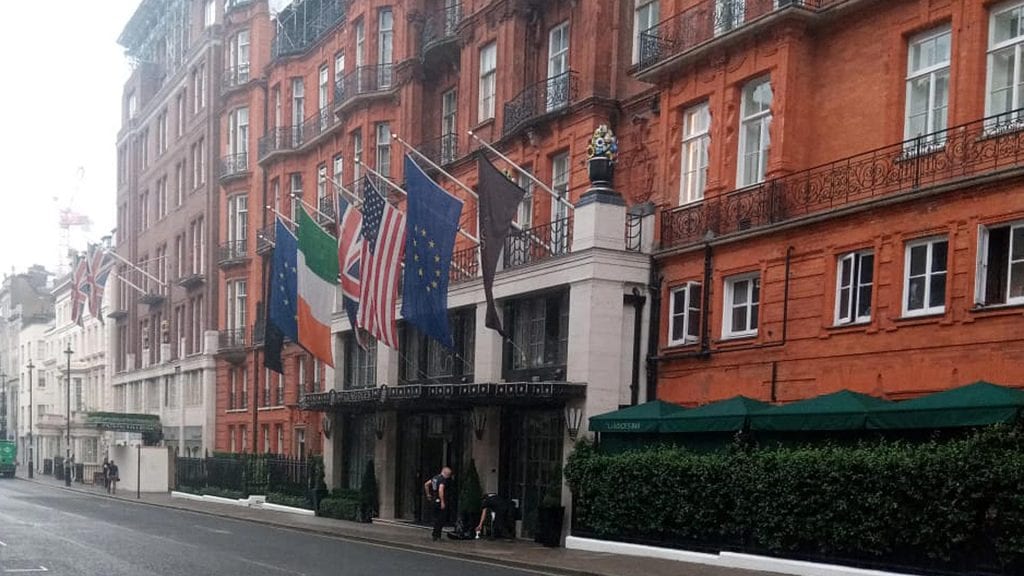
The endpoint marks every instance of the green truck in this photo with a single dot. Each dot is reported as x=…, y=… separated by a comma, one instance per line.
x=8, y=458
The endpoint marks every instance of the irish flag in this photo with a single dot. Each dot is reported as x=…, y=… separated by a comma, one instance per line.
x=317, y=264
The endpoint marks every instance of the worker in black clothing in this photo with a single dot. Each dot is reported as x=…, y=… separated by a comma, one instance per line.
x=499, y=509
x=436, y=490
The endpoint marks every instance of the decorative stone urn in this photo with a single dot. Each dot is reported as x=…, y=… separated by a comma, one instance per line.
x=601, y=154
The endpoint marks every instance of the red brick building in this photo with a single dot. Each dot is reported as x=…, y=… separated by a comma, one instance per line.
x=841, y=204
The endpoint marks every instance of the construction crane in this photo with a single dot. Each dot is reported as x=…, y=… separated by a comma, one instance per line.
x=68, y=219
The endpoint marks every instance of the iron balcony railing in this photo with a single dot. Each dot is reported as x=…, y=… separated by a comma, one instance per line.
x=440, y=27
x=236, y=3
x=265, y=239
x=232, y=339
x=231, y=252
x=235, y=76
x=441, y=150
x=326, y=207
x=283, y=138
x=234, y=165
x=301, y=24
x=465, y=265
x=708, y=20
x=980, y=148
x=363, y=81
x=532, y=245
x=540, y=99
x=319, y=123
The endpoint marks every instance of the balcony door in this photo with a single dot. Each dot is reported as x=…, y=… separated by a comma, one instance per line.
x=449, y=105
x=558, y=67
x=385, y=47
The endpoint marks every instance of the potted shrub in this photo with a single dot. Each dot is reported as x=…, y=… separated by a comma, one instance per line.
x=368, y=494
x=551, y=513
x=601, y=154
x=470, y=497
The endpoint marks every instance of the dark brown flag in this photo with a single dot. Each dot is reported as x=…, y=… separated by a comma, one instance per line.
x=499, y=201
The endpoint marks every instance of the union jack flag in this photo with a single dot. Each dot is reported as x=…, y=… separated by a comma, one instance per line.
x=100, y=263
x=383, y=246
x=79, y=288
x=350, y=253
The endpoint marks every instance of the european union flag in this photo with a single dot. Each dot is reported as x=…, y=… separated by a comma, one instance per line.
x=282, y=297
x=432, y=222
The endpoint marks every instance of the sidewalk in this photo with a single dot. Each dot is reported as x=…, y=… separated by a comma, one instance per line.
x=518, y=554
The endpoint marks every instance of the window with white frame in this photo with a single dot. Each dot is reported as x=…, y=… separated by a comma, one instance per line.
x=179, y=183
x=684, y=314
x=144, y=210
x=559, y=209
x=928, y=57
x=210, y=13
x=357, y=157
x=741, y=305
x=298, y=109
x=198, y=233
x=161, y=198
x=323, y=95
x=337, y=167
x=360, y=364
x=1000, y=268
x=924, y=277
x=385, y=46
x=236, y=304
x=238, y=221
x=238, y=138
x=1005, y=47
x=693, y=170
x=238, y=58
x=301, y=361
x=180, y=114
x=755, y=123
x=383, y=159
x=645, y=16
x=488, y=77
x=321, y=184
x=524, y=215
x=360, y=33
x=854, y=285
x=339, y=67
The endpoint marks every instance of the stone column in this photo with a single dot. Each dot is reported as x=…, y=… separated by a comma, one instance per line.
x=385, y=464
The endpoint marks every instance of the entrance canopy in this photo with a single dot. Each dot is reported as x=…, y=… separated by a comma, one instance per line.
x=117, y=422
x=723, y=416
x=444, y=396
x=843, y=410
x=978, y=404
x=648, y=417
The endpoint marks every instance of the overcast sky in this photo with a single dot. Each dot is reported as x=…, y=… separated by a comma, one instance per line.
x=63, y=73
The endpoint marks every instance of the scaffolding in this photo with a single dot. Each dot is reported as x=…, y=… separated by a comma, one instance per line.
x=159, y=33
x=303, y=22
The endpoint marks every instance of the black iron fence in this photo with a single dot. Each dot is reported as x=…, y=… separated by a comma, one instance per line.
x=244, y=475
x=234, y=164
x=281, y=139
x=539, y=99
x=232, y=339
x=707, y=20
x=265, y=239
x=326, y=206
x=363, y=80
x=319, y=123
x=232, y=251
x=441, y=150
x=465, y=265
x=441, y=26
x=236, y=76
x=523, y=247
x=980, y=148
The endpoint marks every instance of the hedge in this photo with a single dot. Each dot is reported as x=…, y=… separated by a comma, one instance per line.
x=342, y=504
x=956, y=505
x=289, y=500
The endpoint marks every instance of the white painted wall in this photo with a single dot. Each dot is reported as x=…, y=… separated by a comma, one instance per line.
x=154, y=464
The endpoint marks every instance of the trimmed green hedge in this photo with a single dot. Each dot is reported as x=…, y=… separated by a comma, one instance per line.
x=288, y=500
x=342, y=504
x=956, y=504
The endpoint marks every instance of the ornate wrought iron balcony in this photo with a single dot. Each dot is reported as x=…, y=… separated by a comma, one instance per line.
x=532, y=245
x=232, y=252
x=281, y=139
x=440, y=27
x=235, y=76
x=265, y=239
x=318, y=124
x=301, y=24
x=232, y=339
x=538, y=100
x=442, y=150
x=326, y=207
x=943, y=159
x=364, y=81
x=465, y=265
x=708, y=20
x=234, y=165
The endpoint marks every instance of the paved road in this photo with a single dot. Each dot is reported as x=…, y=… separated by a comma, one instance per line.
x=68, y=533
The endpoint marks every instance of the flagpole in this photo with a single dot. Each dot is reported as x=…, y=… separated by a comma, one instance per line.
x=522, y=170
x=279, y=215
x=436, y=167
x=313, y=208
x=352, y=196
x=128, y=282
x=134, y=267
x=398, y=188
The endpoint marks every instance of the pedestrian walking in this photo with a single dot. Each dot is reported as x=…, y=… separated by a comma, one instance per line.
x=106, y=474
x=436, y=490
x=113, y=477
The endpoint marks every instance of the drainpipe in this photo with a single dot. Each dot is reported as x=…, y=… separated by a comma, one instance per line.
x=705, y=331
x=653, y=332
x=637, y=301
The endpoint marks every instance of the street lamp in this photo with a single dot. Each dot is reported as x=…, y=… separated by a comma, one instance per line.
x=67, y=384
x=31, y=409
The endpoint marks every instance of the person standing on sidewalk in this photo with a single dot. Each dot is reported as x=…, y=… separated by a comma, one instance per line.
x=106, y=474
x=112, y=478
x=436, y=490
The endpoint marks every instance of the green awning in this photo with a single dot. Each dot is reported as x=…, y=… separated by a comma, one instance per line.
x=843, y=410
x=978, y=404
x=118, y=422
x=635, y=419
x=722, y=416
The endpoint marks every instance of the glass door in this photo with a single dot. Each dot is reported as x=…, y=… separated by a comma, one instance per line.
x=558, y=67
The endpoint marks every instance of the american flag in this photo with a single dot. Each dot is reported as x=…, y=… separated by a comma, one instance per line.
x=383, y=245
x=100, y=263
x=79, y=289
x=350, y=252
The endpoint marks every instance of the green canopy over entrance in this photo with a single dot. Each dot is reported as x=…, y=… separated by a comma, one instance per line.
x=641, y=418
x=722, y=416
x=118, y=422
x=843, y=410
x=978, y=404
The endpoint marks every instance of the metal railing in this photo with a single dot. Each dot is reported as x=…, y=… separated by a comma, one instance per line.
x=234, y=165
x=465, y=265
x=362, y=81
x=441, y=150
x=440, y=27
x=706, y=21
x=326, y=206
x=281, y=139
x=248, y=474
x=524, y=247
x=539, y=99
x=232, y=251
x=302, y=24
x=265, y=239
x=235, y=76
x=259, y=333
x=983, y=147
x=232, y=339
x=319, y=123
x=634, y=232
